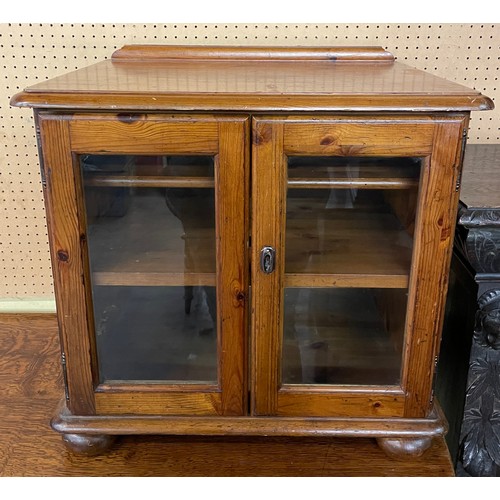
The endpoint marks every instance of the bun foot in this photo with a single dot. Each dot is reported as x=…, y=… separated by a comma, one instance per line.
x=87, y=444
x=401, y=448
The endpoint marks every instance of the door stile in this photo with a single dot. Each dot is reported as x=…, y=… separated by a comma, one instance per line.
x=232, y=199
x=67, y=263
x=431, y=262
x=267, y=292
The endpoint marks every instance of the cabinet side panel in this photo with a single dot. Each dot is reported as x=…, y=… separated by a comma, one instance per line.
x=65, y=243
x=432, y=254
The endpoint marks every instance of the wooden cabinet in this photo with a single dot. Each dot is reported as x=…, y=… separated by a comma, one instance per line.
x=250, y=241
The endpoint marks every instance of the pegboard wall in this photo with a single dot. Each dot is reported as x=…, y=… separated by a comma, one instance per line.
x=465, y=53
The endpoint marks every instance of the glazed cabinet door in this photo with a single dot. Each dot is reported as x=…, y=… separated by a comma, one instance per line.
x=147, y=216
x=353, y=220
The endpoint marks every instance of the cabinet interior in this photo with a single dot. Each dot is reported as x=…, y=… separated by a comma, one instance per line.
x=348, y=249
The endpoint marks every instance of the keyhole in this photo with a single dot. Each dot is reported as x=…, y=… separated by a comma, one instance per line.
x=267, y=259
x=267, y=263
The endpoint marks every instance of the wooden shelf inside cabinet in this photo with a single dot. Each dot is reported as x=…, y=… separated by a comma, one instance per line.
x=318, y=174
x=143, y=278
x=358, y=183
x=156, y=266
x=147, y=181
x=179, y=249
x=357, y=249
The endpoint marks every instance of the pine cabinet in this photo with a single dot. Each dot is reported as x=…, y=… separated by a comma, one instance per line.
x=250, y=241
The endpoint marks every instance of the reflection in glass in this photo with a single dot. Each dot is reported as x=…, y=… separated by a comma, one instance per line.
x=151, y=240
x=349, y=244
x=144, y=333
x=343, y=336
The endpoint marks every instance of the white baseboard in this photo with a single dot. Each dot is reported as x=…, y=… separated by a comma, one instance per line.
x=28, y=305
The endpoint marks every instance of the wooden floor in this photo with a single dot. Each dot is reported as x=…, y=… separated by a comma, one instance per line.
x=30, y=388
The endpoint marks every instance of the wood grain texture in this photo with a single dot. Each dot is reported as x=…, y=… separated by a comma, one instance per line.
x=324, y=404
x=249, y=103
x=139, y=402
x=370, y=173
x=30, y=391
x=232, y=226
x=152, y=136
x=172, y=257
x=30, y=364
x=481, y=181
x=259, y=82
x=372, y=426
x=373, y=244
x=185, y=52
x=357, y=136
x=268, y=197
x=433, y=425
x=149, y=181
x=434, y=235
x=360, y=183
x=146, y=278
x=67, y=262
x=345, y=280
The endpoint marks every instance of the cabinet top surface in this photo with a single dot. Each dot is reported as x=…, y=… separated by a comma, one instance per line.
x=251, y=79
x=481, y=177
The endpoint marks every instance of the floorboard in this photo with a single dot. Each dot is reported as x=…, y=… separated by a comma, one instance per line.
x=31, y=386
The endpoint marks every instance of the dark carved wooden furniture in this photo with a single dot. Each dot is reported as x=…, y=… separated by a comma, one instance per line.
x=251, y=241
x=479, y=239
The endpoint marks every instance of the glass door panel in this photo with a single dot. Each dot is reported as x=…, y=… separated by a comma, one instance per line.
x=349, y=243
x=151, y=243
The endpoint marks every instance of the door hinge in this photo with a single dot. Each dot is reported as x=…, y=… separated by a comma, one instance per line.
x=38, y=134
x=459, y=181
x=461, y=164
x=434, y=378
x=65, y=375
x=43, y=178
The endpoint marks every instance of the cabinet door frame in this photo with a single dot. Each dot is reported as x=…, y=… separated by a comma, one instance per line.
x=437, y=139
x=62, y=138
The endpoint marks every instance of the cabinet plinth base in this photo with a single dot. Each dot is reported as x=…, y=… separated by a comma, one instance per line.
x=398, y=437
x=88, y=444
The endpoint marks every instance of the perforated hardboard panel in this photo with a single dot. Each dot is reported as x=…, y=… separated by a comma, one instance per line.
x=465, y=53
